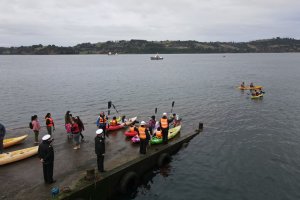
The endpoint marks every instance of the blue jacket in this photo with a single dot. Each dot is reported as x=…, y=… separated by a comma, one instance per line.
x=2, y=131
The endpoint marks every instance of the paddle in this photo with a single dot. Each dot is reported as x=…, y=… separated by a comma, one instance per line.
x=155, y=111
x=172, y=106
x=108, y=107
x=115, y=108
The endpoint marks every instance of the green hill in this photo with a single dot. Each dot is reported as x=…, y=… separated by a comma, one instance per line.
x=274, y=45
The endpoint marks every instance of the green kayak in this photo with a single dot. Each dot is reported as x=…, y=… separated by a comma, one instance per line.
x=172, y=133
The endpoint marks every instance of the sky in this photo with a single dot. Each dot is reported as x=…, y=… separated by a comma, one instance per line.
x=70, y=22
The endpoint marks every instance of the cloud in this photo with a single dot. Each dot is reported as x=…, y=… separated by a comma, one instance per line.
x=69, y=22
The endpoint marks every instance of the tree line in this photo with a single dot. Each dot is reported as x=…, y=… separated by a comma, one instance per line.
x=274, y=45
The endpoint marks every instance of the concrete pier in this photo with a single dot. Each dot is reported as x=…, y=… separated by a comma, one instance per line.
x=127, y=176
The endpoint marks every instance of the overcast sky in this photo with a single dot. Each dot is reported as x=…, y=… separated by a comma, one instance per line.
x=69, y=22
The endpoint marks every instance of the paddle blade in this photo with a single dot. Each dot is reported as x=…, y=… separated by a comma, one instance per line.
x=155, y=110
x=108, y=112
x=173, y=104
x=109, y=104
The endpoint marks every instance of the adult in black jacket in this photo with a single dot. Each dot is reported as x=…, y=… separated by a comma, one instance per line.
x=100, y=149
x=46, y=155
x=2, y=134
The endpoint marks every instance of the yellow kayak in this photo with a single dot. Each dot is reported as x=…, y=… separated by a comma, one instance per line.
x=250, y=88
x=257, y=97
x=13, y=141
x=14, y=156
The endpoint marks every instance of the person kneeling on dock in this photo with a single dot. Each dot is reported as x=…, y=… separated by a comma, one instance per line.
x=144, y=137
x=100, y=149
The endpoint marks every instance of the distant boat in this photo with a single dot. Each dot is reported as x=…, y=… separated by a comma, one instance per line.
x=112, y=54
x=156, y=57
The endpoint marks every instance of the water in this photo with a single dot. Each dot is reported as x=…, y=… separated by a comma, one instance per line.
x=249, y=148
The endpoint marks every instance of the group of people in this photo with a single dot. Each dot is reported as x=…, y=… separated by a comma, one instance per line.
x=158, y=129
x=74, y=127
x=243, y=85
x=257, y=92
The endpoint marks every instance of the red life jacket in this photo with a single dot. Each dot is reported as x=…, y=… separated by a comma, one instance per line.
x=51, y=123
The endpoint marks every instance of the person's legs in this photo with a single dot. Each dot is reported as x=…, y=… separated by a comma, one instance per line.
x=1, y=145
x=36, y=136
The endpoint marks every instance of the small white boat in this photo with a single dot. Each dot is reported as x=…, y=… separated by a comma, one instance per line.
x=156, y=57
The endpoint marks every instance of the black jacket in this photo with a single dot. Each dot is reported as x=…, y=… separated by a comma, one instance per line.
x=100, y=144
x=46, y=152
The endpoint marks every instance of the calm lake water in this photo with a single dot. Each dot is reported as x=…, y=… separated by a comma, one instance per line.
x=249, y=149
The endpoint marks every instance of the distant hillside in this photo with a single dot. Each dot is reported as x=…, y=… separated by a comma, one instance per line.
x=275, y=45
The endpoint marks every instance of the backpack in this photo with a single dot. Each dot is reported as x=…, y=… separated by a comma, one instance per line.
x=30, y=125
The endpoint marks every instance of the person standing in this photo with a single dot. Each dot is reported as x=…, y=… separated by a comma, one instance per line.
x=46, y=155
x=68, y=119
x=2, y=134
x=102, y=122
x=36, y=127
x=81, y=127
x=151, y=124
x=49, y=124
x=100, y=149
x=164, y=125
x=75, y=133
x=144, y=137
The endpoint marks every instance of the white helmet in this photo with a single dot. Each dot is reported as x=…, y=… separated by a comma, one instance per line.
x=143, y=123
x=164, y=114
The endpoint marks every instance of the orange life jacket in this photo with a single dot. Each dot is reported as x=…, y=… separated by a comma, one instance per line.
x=114, y=122
x=158, y=134
x=51, y=121
x=102, y=120
x=164, y=123
x=131, y=129
x=142, y=133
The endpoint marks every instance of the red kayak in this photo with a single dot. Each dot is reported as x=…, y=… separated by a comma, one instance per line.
x=130, y=133
x=113, y=128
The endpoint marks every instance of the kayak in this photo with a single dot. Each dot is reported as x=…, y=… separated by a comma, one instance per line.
x=113, y=128
x=135, y=139
x=257, y=97
x=14, y=156
x=130, y=121
x=130, y=133
x=172, y=133
x=13, y=141
x=250, y=88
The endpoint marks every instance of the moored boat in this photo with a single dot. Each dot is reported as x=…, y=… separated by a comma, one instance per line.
x=13, y=141
x=14, y=156
x=172, y=133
